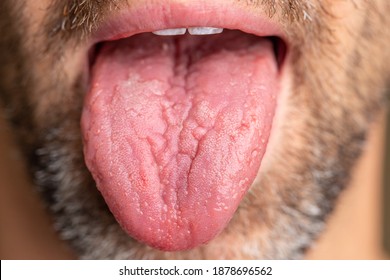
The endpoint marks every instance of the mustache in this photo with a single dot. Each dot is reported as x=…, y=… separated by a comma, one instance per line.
x=77, y=19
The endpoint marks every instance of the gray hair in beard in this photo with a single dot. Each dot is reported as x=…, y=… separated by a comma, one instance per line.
x=286, y=207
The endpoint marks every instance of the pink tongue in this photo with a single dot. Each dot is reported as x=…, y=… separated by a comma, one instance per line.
x=175, y=129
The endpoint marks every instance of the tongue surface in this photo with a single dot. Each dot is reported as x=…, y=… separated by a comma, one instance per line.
x=175, y=129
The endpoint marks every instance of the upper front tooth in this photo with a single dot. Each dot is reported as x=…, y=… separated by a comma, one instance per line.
x=170, y=32
x=204, y=30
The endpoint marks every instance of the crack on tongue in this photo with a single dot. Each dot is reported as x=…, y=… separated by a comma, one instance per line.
x=174, y=131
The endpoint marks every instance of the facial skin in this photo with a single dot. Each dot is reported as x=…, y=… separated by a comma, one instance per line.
x=333, y=83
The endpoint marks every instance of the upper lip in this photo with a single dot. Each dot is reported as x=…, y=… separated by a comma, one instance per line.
x=157, y=15
x=151, y=15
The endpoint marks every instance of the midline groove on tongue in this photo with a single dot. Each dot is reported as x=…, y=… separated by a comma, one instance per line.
x=171, y=149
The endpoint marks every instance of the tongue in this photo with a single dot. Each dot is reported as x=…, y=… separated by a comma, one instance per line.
x=175, y=129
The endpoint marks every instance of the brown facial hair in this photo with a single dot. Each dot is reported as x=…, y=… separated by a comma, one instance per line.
x=339, y=76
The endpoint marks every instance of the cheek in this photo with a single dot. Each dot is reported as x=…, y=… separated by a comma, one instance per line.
x=34, y=13
x=60, y=81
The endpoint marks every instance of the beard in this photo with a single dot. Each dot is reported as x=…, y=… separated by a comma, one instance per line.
x=318, y=137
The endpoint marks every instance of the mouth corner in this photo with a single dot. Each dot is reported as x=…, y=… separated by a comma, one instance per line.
x=280, y=50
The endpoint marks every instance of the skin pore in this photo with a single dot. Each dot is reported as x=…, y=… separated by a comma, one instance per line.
x=319, y=130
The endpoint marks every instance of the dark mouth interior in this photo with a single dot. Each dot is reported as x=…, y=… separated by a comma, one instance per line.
x=280, y=50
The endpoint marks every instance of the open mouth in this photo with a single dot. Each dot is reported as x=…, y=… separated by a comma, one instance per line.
x=176, y=123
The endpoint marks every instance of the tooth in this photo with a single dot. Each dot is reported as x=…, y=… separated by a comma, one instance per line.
x=204, y=30
x=170, y=32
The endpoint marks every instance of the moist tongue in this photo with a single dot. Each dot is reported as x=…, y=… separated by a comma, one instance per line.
x=175, y=129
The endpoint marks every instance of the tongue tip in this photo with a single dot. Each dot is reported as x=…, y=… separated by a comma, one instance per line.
x=171, y=237
x=170, y=246
x=171, y=241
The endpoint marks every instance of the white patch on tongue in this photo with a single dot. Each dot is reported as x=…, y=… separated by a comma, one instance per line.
x=175, y=129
